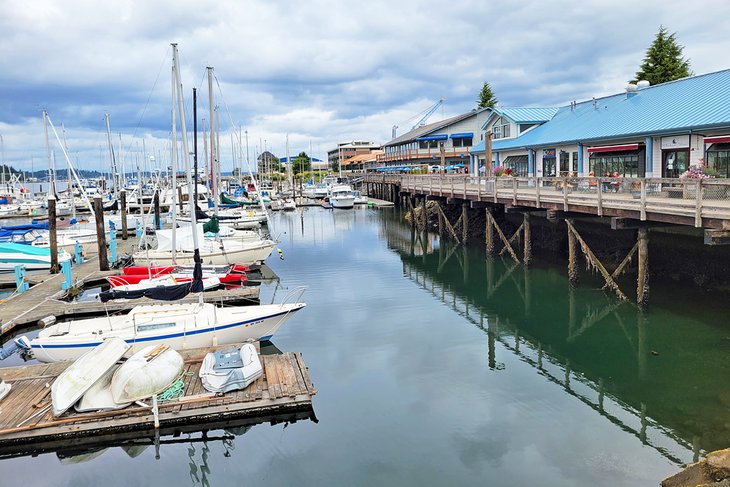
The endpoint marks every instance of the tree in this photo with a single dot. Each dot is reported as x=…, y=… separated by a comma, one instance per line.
x=301, y=163
x=335, y=166
x=663, y=61
x=486, y=97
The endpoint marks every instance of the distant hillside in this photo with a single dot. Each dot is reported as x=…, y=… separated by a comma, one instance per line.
x=42, y=175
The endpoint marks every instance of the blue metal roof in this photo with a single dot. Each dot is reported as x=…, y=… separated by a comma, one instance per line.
x=526, y=114
x=695, y=103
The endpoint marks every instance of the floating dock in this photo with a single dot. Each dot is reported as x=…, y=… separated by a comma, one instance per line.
x=283, y=393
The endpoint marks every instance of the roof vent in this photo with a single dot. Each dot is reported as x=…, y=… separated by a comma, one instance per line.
x=643, y=84
x=631, y=90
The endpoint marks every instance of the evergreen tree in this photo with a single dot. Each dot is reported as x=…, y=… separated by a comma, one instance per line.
x=663, y=61
x=486, y=97
x=301, y=163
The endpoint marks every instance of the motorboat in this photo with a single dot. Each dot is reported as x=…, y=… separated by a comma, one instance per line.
x=30, y=256
x=88, y=368
x=360, y=199
x=230, y=370
x=288, y=204
x=341, y=196
x=180, y=325
x=146, y=373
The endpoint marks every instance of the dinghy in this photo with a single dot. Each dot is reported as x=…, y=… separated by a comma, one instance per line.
x=147, y=373
x=4, y=389
x=73, y=382
x=99, y=396
x=230, y=370
x=185, y=325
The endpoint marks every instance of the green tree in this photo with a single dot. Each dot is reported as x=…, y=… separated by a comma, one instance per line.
x=301, y=163
x=663, y=61
x=486, y=97
x=335, y=166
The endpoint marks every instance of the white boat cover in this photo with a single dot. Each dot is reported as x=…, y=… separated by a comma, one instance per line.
x=231, y=369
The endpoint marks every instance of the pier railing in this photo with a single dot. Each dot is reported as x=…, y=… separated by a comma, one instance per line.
x=698, y=202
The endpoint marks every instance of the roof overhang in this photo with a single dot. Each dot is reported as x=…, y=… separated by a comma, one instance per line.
x=463, y=135
x=433, y=137
x=613, y=148
x=722, y=139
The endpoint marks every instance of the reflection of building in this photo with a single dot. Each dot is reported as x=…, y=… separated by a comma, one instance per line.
x=646, y=131
x=347, y=150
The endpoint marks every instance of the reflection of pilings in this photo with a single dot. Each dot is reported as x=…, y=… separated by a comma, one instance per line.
x=641, y=345
x=489, y=231
x=572, y=259
x=464, y=222
x=490, y=273
x=642, y=433
x=527, y=252
x=465, y=263
x=528, y=293
x=642, y=285
x=535, y=356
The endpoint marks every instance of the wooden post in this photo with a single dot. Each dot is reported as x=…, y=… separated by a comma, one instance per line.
x=158, y=223
x=572, y=259
x=52, y=233
x=489, y=231
x=424, y=215
x=123, y=202
x=100, y=236
x=464, y=222
x=441, y=221
x=642, y=285
x=180, y=198
x=527, y=243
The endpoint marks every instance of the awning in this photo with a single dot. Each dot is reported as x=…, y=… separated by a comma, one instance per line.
x=433, y=137
x=514, y=160
x=613, y=148
x=717, y=140
x=464, y=135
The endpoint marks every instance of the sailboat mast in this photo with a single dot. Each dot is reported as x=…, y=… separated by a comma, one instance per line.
x=213, y=145
x=51, y=189
x=111, y=155
x=173, y=184
x=186, y=152
x=69, y=183
x=195, y=144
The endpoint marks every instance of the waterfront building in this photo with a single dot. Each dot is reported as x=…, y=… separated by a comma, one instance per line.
x=346, y=150
x=443, y=144
x=645, y=131
x=358, y=163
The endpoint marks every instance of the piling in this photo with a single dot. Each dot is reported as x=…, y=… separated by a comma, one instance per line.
x=527, y=241
x=464, y=222
x=123, y=203
x=52, y=233
x=642, y=284
x=158, y=222
x=572, y=259
x=100, y=237
x=489, y=231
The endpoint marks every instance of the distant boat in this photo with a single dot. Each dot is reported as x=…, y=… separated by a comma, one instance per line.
x=73, y=382
x=341, y=196
x=188, y=325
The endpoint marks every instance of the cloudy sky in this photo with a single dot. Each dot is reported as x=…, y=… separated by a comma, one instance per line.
x=320, y=71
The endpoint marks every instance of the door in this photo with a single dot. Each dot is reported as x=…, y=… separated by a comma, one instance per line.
x=674, y=163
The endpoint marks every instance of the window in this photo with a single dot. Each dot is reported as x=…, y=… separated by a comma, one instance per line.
x=428, y=144
x=525, y=126
x=548, y=163
x=718, y=158
x=565, y=168
x=466, y=142
x=500, y=129
x=626, y=164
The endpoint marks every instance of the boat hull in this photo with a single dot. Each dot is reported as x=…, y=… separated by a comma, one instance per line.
x=68, y=341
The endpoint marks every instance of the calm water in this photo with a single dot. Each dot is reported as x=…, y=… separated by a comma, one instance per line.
x=438, y=366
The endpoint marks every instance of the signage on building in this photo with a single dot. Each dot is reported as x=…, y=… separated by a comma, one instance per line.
x=675, y=142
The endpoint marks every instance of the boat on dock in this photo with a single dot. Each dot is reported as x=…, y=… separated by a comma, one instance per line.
x=30, y=256
x=146, y=373
x=230, y=370
x=187, y=325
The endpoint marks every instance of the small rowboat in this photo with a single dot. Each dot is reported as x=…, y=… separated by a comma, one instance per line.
x=99, y=396
x=146, y=373
x=84, y=373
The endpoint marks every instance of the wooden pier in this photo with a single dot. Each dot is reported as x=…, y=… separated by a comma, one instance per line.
x=27, y=426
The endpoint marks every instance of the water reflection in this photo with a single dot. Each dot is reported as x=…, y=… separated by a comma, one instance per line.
x=658, y=375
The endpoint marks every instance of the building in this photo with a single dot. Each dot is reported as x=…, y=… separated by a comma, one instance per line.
x=645, y=131
x=347, y=150
x=444, y=144
x=358, y=163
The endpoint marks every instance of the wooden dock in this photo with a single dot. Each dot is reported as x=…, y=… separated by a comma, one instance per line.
x=27, y=426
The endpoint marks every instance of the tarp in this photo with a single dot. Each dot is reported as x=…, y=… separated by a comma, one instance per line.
x=227, y=201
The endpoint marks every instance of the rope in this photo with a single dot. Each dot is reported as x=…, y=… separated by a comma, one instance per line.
x=176, y=390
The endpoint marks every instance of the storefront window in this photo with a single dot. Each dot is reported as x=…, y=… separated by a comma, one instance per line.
x=674, y=163
x=718, y=159
x=548, y=163
x=565, y=168
x=626, y=164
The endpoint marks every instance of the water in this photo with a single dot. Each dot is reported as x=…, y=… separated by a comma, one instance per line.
x=445, y=367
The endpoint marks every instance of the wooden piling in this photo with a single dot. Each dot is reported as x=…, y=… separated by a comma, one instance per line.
x=52, y=233
x=527, y=243
x=123, y=203
x=441, y=221
x=572, y=258
x=158, y=223
x=424, y=214
x=100, y=235
x=464, y=222
x=642, y=284
x=489, y=231
x=180, y=198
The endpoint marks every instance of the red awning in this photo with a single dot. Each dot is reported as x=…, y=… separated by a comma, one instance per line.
x=613, y=148
x=722, y=139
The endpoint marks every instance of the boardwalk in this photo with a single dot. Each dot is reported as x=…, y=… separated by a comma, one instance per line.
x=702, y=203
x=27, y=426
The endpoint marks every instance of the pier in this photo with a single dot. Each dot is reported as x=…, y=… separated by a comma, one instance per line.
x=27, y=426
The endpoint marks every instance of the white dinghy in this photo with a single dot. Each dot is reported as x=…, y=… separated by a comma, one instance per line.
x=230, y=370
x=99, y=396
x=4, y=389
x=73, y=382
x=147, y=373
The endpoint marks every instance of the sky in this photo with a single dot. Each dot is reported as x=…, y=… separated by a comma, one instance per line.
x=319, y=72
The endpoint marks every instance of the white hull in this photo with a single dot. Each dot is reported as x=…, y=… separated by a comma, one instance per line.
x=243, y=253
x=180, y=326
x=342, y=202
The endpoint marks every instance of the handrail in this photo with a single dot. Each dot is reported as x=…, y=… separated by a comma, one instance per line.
x=297, y=291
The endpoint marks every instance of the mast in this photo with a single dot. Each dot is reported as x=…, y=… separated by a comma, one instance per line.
x=69, y=183
x=173, y=184
x=213, y=146
x=217, y=158
x=186, y=152
x=2, y=156
x=48, y=151
x=195, y=144
x=111, y=154
x=289, y=168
